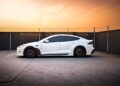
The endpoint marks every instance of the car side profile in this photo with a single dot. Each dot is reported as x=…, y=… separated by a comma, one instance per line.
x=60, y=44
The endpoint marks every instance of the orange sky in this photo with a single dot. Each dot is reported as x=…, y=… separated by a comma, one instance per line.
x=57, y=15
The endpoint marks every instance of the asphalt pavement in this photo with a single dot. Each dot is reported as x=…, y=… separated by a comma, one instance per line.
x=99, y=69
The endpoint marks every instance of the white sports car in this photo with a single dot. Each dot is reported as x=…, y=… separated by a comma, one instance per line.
x=61, y=44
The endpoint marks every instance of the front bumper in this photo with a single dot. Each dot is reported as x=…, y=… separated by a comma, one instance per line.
x=93, y=51
x=19, y=52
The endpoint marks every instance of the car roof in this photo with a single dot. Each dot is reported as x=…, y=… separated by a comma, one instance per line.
x=66, y=35
x=61, y=35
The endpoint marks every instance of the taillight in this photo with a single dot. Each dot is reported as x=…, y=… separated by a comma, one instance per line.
x=90, y=42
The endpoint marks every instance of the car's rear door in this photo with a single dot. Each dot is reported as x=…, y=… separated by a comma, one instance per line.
x=66, y=43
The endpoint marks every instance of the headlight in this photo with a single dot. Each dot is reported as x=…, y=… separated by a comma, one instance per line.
x=21, y=46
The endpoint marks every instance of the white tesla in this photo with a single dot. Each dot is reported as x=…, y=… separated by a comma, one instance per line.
x=60, y=44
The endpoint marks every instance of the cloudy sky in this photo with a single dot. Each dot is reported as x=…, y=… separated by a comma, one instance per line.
x=79, y=15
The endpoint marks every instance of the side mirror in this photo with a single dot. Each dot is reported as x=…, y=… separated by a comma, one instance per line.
x=46, y=41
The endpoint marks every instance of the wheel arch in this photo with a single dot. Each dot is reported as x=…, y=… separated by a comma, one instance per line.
x=80, y=46
x=37, y=50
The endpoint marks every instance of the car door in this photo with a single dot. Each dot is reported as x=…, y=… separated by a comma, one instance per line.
x=52, y=46
x=66, y=43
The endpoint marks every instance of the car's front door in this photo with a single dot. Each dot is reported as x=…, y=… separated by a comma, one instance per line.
x=51, y=47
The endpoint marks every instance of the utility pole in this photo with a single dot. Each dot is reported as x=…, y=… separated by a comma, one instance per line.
x=108, y=38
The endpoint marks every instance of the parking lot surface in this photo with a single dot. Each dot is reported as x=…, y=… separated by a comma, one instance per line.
x=99, y=69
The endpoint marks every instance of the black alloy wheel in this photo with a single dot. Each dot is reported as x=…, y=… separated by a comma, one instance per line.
x=79, y=52
x=30, y=52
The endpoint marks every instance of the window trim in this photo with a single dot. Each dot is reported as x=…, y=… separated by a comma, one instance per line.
x=77, y=38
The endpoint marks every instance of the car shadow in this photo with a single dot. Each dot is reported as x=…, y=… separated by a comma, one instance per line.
x=88, y=56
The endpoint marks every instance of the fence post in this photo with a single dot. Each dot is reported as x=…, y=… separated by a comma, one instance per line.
x=10, y=42
x=94, y=37
x=68, y=30
x=108, y=39
x=39, y=33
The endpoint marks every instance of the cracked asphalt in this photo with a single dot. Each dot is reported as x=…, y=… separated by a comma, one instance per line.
x=99, y=69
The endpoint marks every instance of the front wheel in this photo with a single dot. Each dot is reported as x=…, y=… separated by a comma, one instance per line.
x=79, y=52
x=30, y=52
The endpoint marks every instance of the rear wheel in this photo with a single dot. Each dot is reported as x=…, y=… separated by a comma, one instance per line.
x=30, y=52
x=79, y=52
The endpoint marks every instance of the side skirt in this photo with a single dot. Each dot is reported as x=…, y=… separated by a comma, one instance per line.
x=65, y=54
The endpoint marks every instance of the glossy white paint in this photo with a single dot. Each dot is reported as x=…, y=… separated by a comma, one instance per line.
x=58, y=48
x=50, y=48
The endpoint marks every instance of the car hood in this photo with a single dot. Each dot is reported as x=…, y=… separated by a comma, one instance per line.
x=29, y=44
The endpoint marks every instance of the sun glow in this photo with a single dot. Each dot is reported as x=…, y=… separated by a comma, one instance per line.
x=59, y=15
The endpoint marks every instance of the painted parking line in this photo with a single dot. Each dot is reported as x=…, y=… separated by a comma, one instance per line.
x=10, y=54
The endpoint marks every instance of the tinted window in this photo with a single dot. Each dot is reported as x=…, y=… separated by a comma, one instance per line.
x=69, y=38
x=54, y=39
x=63, y=38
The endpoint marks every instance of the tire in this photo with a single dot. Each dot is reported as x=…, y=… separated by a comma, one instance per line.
x=79, y=52
x=30, y=52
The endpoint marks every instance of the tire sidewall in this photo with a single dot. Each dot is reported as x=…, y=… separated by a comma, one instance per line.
x=82, y=53
x=30, y=56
